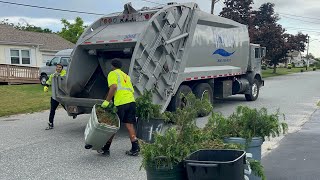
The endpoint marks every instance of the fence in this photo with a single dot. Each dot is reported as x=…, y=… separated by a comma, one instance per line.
x=14, y=74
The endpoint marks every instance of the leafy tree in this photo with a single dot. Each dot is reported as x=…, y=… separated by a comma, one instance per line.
x=237, y=10
x=72, y=31
x=27, y=27
x=297, y=42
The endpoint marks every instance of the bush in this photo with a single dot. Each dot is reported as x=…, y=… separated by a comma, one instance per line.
x=146, y=110
x=247, y=123
x=289, y=66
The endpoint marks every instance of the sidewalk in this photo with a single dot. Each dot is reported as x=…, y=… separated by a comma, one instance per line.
x=298, y=155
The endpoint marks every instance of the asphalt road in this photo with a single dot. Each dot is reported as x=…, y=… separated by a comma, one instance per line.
x=27, y=151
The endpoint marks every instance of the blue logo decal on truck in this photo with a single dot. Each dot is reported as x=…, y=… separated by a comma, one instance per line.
x=223, y=53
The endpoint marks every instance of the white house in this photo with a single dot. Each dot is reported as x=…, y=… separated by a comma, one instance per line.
x=29, y=48
x=295, y=57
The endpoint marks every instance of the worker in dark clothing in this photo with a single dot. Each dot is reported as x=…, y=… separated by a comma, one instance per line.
x=121, y=89
x=54, y=104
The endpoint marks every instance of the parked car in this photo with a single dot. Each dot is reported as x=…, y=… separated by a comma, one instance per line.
x=62, y=57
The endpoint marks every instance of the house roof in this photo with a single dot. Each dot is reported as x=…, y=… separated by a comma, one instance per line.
x=46, y=41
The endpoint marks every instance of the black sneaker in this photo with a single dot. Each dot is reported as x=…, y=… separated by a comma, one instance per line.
x=50, y=126
x=104, y=152
x=133, y=152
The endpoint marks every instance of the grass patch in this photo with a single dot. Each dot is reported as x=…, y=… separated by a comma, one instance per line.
x=318, y=104
x=16, y=99
x=282, y=71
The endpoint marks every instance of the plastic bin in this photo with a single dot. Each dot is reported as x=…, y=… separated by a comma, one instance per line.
x=253, y=147
x=146, y=129
x=97, y=134
x=174, y=172
x=216, y=164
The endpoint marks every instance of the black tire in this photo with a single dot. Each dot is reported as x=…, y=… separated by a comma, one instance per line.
x=43, y=79
x=87, y=146
x=176, y=101
x=254, y=91
x=199, y=91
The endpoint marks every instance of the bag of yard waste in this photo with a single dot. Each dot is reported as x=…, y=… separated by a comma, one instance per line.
x=103, y=123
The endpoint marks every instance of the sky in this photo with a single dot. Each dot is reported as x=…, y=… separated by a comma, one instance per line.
x=296, y=15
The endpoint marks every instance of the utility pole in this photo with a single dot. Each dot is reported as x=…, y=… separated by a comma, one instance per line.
x=308, y=53
x=213, y=2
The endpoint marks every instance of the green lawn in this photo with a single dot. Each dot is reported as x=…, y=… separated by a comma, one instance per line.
x=16, y=99
x=318, y=104
x=282, y=71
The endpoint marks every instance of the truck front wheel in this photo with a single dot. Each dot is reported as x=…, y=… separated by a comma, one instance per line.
x=177, y=101
x=254, y=91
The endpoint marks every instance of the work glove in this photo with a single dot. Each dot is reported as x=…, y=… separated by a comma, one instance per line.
x=45, y=88
x=105, y=104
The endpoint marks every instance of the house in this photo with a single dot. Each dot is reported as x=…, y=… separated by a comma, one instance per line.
x=295, y=57
x=309, y=61
x=26, y=48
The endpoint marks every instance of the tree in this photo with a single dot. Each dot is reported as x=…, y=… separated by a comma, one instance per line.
x=237, y=10
x=72, y=31
x=272, y=38
x=27, y=27
x=297, y=42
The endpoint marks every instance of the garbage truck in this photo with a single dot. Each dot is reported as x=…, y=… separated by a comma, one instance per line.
x=173, y=49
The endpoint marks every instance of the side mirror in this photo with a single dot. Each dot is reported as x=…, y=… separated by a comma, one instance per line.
x=48, y=63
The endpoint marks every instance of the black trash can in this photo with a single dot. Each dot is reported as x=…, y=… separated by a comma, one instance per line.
x=216, y=165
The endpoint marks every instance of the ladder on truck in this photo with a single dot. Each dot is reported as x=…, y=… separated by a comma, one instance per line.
x=159, y=53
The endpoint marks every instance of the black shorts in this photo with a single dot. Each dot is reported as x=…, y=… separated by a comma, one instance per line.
x=127, y=113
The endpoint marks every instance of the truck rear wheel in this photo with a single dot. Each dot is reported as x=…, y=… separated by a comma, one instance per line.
x=177, y=101
x=200, y=91
x=254, y=91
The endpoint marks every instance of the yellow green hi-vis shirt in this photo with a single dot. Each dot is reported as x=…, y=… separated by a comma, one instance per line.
x=125, y=92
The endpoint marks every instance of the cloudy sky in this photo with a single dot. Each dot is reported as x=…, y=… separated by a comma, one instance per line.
x=296, y=15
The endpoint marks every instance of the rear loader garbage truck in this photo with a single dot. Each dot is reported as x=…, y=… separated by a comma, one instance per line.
x=172, y=49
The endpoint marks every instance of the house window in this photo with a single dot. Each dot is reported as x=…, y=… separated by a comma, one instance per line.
x=20, y=57
x=15, y=58
x=257, y=52
x=25, y=56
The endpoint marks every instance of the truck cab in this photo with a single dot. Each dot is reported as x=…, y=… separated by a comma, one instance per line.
x=257, y=53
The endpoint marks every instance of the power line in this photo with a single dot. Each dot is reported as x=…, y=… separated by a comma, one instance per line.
x=302, y=28
x=222, y=4
x=152, y=2
x=288, y=17
x=300, y=16
x=48, y=8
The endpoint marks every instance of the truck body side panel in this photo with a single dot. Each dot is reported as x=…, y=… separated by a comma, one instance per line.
x=216, y=46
